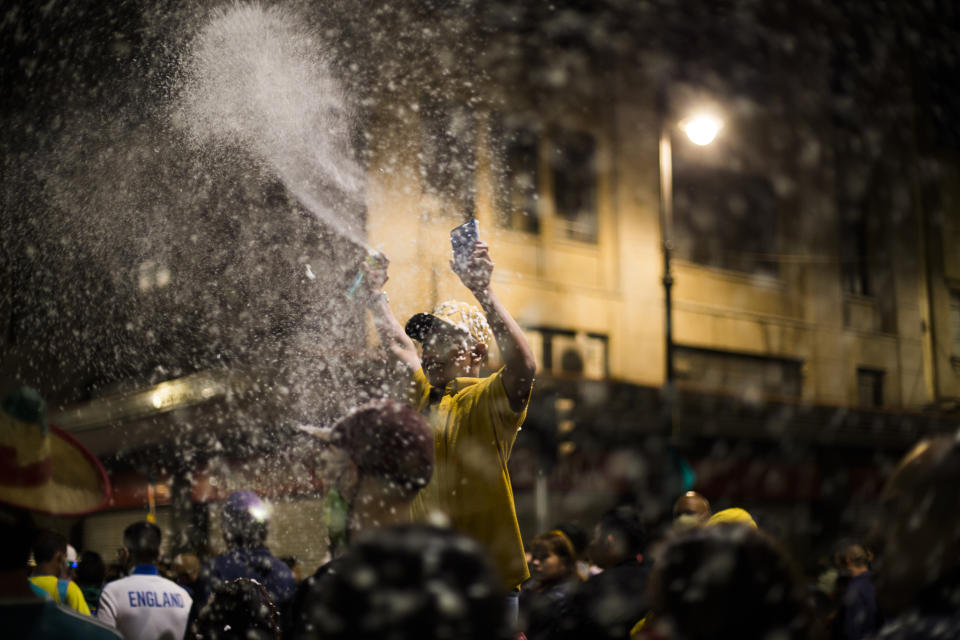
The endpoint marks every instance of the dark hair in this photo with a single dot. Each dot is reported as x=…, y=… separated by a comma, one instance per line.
x=577, y=535
x=557, y=543
x=17, y=533
x=728, y=581
x=238, y=610
x=142, y=539
x=91, y=570
x=412, y=582
x=390, y=441
x=46, y=544
x=626, y=526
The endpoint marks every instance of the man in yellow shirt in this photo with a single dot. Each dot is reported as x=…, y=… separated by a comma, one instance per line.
x=50, y=554
x=475, y=420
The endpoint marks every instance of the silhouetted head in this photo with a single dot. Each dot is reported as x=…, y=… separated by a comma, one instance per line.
x=919, y=536
x=238, y=610
x=411, y=582
x=620, y=534
x=390, y=443
x=142, y=542
x=245, y=519
x=690, y=509
x=727, y=581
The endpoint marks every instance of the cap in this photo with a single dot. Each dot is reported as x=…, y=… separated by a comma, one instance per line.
x=452, y=315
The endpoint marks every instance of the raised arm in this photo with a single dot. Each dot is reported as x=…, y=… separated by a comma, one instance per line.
x=392, y=335
x=519, y=364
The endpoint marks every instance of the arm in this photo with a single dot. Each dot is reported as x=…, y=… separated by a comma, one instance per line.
x=392, y=336
x=519, y=364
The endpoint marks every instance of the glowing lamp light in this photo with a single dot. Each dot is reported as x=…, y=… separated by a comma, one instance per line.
x=702, y=128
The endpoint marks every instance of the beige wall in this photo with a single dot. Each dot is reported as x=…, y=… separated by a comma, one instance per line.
x=613, y=287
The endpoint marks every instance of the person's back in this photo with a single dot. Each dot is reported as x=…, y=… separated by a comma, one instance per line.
x=610, y=603
x=145, y=605
x=245, y=520
x=50, y=552
x=90, y=576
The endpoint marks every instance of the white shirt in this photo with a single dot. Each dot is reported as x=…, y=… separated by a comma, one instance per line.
x=145, y=606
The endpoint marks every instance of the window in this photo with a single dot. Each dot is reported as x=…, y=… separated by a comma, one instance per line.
x=725, y=219
x=739, y=373
x=569, y=352
x=448, y=154
x=575, y=186
x=516, y=159
x=869, y=387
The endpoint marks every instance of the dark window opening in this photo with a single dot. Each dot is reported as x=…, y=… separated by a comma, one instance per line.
x=870, y=387
x=725, y=219
x=575, y=186
x=516, y=159
x=741, y=373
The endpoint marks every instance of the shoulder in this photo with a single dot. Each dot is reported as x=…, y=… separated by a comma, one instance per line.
x=84, y=626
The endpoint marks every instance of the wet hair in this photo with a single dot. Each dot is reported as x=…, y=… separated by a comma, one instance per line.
x=142, y=539
x=91, y=570
x=389, y=441
x=46, y=544
x=557, y=543
x=412, y=582
x=238, y=610
x=727, y=581
x=17, y=533
x=626, y=526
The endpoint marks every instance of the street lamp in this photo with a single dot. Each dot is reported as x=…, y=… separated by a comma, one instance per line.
x=701, y=128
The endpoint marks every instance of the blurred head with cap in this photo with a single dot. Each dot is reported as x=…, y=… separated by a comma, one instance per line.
x=455, y=338
x=245, y=519
x=690, y=509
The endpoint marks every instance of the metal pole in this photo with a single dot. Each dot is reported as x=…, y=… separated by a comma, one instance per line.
x=666, y=230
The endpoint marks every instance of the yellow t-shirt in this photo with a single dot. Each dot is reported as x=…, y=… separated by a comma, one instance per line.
x=474, y=429
x=75, y=598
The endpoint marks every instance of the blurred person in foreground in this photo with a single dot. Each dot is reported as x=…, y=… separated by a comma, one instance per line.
x=411, y=582
x=610, y=603
x=44, y=470
x=90, y=575
x=475, y=420
x=690, y=509
x=144, y=605
x=545, y=598
x=917, y=572
x=725, y=581
x=857, y=617
x=238, y=610
x=245, y=523
x=50, y=555
x=186, y=571
x=381, y=456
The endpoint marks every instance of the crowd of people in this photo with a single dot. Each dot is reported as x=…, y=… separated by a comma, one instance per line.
x=422, y=531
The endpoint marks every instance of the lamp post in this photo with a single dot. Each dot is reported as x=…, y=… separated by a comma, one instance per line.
x=701, y=128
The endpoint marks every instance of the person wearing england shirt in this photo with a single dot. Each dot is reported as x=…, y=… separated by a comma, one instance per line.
x=145, y=605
